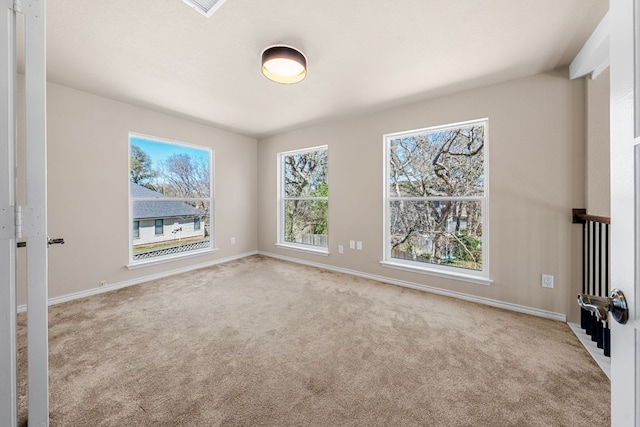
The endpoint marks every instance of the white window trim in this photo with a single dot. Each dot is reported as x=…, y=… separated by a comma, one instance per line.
x=132, y=264
x=455, y=273
x=317, y=250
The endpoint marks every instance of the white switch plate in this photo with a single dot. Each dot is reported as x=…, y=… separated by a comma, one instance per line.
x=352, y=244
x=233, y=240
x=340, y=249
x=547, y=281
x=359, y=245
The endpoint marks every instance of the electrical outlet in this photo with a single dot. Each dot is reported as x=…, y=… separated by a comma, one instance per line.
x=233, y=240
x=352, y=244
x=547, y=281
x=102, y=283
x=340, y=249
x=359, y=245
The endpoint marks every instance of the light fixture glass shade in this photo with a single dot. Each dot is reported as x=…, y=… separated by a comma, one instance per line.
x=284, y=64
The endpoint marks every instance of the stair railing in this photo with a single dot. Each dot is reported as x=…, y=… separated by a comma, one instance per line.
x=596, y=270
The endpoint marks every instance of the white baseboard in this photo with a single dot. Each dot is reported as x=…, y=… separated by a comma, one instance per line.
x=459, y=295
x=137, y=280
x=596, y=353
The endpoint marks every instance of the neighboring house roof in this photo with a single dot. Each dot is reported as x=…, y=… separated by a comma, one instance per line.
x=160, y=209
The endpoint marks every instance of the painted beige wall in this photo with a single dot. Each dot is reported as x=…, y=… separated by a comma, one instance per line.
x=536, y=176
x=536, y=157
x=88, y=188
x=598, y=167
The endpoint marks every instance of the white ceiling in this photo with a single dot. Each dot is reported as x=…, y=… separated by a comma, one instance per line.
x=362, y=55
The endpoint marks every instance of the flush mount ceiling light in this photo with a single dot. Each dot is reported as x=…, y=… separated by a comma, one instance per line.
x=284, y=64
x=205, y=7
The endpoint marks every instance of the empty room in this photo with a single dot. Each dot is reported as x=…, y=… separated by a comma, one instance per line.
x=289, y=213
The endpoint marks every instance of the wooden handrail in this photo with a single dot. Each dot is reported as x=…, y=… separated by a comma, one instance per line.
x=580, y=216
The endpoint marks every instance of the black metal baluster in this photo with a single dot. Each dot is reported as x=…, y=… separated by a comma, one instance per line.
x=600, y=261
x=600, y=335
x=606, y=265
x=606, y=333
x=584, y=314
x=594, y=248
x=607, y=340
x=591, y=325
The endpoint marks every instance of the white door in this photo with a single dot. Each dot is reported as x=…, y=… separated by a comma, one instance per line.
x=625, y=207
x=8, y=364
x=28, y=222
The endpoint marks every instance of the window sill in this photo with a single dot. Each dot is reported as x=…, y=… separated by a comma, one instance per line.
x=304, y=248
x=479, y=280
x=162, y=260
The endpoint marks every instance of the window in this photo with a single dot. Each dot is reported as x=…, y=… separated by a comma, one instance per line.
x=435, y=200
x=171, y=197
x=159, y=227
x=303, y=207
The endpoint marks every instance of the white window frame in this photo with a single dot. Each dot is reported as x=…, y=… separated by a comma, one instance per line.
x=449, y=272
x=281, y=243
x=133, y=264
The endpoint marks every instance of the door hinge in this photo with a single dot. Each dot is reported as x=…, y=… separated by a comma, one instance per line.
x=29, y=221
x=18, y=222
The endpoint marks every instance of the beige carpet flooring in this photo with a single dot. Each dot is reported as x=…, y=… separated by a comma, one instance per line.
x=262, y=342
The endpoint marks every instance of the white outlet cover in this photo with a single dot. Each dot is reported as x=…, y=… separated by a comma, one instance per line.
x=547, y=281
